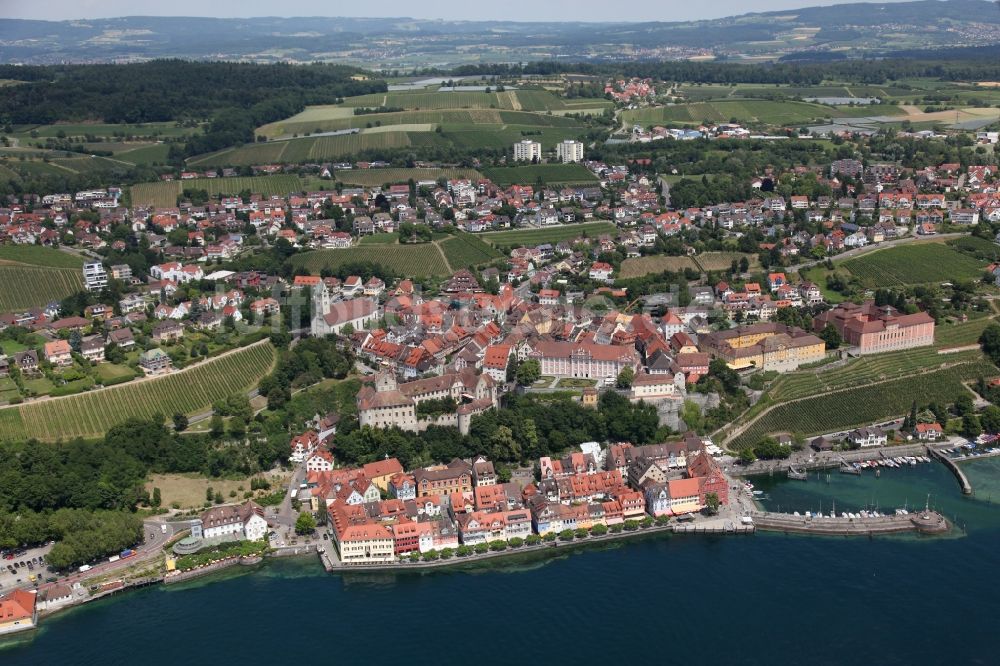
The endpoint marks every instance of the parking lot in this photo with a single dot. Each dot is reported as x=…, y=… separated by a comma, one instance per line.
x=16, y=572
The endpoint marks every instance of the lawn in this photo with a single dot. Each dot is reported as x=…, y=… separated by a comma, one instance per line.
x=405, y=260
x=639, y=266
x=551, y=174
x=528, y=237
x=109, y=372
x=90, y=414
x=916, y=263
x=575, y=382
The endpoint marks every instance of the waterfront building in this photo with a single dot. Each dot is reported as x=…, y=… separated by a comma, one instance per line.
x=17, y=611
x=236, y=521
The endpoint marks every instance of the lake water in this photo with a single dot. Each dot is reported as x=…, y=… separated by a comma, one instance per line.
x=763, y=599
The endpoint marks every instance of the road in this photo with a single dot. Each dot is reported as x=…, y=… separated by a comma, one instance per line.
x=871, y=248
x=150, y=549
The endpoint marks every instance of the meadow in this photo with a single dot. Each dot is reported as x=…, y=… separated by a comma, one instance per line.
x=37, y=255
x=639, y=266
x=722, y=261
x=378, y=177
x=164, y=194
x=187, y=391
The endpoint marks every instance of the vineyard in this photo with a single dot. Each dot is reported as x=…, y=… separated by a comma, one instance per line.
x=957, y=335
x=407, y=260
x=861, y=371
x=552, y=174
x=37, y=255
x=378, y=177
x=164, y=194
x=554, y=234
x=465, y=251
x=91, y=414
x=917, y=263
x=24, y=286
x=866, y=404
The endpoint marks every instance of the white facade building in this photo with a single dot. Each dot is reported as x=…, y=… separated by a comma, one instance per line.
x=527, y=151
x=570, y=151
x=94, y=276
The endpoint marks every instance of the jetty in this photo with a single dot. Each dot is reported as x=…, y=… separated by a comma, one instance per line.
x=955, y=469
x=923, y=522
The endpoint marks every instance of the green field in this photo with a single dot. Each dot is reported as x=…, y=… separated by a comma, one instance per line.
x=863, y=371
x=748, y=111
x=639, y=266
x=863, y=405
x=406, y=260
x=35, y=286
x=554, y=234
x=464, y=251
x=79, y=131
x=378, y=177
x=164, y=194
x=550, y=174
x=37, y=255
x=916, y=263
x=91, y=414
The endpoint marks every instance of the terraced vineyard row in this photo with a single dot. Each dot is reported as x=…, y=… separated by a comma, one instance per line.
x=92, y=414
x=408, y=260
x=863, y=405
x=863, y=371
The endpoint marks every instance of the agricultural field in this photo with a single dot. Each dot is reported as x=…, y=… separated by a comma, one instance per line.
x=465, y=251
x=36, y=255
x=722, y=261
x=865, y=370
x=23, y=286
x=869, y=403
x=28, y=133
x=551, y=174
x=958, y=335
x=639, y=266
x=379, y=177
x=248, y=155
x=407, y=260
x=553, y=234
x=164, y=194
x=916, y=263
x=187, y=391
x=155, y=153
x=751, y=111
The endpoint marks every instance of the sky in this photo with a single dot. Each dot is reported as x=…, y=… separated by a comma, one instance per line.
x=518, y=10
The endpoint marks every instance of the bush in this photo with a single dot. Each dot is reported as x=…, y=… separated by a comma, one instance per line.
x=566, y=535
x=616, y=528
x=581, y=533
x=599, y=530
x=482, y=548
x=447, y=554
x=631, y=525
x=550, y=536
x=516, y=542
x=532, y=540
x=498, y=546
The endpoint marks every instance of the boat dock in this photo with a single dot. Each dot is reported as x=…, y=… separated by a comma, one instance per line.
x=923, y=522
x=955, y=469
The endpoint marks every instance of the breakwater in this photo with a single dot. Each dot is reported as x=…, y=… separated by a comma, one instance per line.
x=963, y=480
x=923, y=522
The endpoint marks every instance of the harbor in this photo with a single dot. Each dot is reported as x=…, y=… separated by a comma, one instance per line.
x=862, y=523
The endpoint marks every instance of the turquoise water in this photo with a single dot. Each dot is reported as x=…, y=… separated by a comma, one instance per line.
x=764, y=599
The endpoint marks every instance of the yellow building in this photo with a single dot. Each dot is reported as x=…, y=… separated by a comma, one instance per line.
x=768, y=346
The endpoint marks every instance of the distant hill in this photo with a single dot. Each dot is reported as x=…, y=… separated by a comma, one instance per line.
x=858, y=28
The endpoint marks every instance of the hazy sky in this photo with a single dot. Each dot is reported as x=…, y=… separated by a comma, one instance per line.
x=522, y=10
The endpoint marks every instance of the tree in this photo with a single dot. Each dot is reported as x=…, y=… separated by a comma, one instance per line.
x=218, y=426
x=180, y=422
x=712, y=503
x=963, y=404
x=990, y=419
x=625, y=377
x=156, y=498
x=989, y=340
x=747, y=456
x=529, y=372
x=831, y=337
x=305, y=523
x=511, y=373
x=971, y=427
